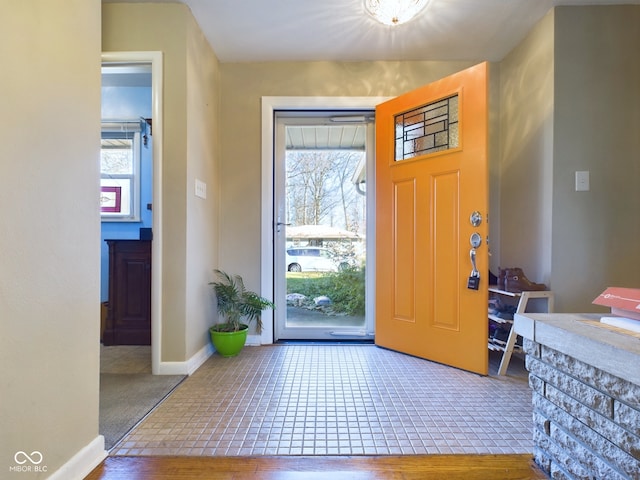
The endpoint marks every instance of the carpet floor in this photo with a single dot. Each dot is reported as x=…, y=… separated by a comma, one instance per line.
x=125, y=399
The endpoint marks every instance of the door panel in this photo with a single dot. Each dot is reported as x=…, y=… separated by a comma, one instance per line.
x=431, y=174
x=444, y=254
x=405, y=246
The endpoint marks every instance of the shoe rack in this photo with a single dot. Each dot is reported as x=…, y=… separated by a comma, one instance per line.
x=522, y=298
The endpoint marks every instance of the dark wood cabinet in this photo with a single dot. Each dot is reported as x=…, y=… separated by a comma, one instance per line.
x=129, y=311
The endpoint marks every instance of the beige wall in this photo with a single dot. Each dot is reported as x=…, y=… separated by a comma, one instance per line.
x=190, y=150
x=526, y=154
x=243, y=86
x=596, y=125
x=162, y=27
x=203, y=145
x=49, y=232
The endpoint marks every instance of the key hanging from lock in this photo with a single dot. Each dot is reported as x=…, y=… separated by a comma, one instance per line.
x=474, y=279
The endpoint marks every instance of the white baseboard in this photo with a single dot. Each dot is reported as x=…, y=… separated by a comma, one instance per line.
x=187, y=367
x=199, y=358
x=191, y=365
x=83, y=462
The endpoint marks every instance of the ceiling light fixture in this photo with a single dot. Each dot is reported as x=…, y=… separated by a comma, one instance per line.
x=394, y=12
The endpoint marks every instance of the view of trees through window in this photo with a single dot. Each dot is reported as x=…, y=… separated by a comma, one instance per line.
x=321, y=190
x=326, y=257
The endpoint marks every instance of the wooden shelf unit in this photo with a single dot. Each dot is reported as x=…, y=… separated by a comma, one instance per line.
x=509, y=346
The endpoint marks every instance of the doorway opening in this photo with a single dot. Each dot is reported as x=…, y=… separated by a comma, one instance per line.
x=132, y=72
x=271, y=105
x=320, y=234
x=126, y=199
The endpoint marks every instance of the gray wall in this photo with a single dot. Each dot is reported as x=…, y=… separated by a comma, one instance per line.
x=526, y=153
x=571, y=102
x=596, y=128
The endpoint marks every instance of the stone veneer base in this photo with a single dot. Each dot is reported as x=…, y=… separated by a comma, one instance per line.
x=586, y=414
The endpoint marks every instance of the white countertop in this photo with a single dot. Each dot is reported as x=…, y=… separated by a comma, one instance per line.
x=582, y=336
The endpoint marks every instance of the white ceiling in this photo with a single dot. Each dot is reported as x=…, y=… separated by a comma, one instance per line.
x=340, y=30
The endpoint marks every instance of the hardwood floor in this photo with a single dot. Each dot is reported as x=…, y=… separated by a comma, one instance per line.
x=423, y=467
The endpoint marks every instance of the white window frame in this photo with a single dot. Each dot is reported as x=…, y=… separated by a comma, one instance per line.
x=129, y=130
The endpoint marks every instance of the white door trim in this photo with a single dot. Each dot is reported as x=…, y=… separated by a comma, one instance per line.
x=155, y=59
x=269, y=106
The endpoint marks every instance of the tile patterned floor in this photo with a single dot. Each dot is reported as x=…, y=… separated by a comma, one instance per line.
x=335, y=400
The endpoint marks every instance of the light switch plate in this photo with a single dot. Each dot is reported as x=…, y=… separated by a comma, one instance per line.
x=582, y=181
x=201, y=189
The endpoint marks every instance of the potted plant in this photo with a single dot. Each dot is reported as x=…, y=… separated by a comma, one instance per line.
x=237, y=308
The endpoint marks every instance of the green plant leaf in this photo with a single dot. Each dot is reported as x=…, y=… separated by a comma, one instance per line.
x=236, y=303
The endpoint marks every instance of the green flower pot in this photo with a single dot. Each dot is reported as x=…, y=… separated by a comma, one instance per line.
x=229, y=344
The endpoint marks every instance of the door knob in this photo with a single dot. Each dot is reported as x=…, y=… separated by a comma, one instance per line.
x=475, y=240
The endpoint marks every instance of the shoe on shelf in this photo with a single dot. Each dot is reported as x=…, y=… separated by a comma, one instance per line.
x=504, y=315
x=500, y=334
x=517, y=282
x=502, y=278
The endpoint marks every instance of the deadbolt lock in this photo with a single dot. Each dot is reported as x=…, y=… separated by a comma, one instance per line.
x=475, y=218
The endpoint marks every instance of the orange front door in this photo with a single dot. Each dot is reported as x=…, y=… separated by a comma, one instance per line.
x=431, y=175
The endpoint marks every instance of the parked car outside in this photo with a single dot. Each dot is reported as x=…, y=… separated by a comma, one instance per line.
x=310, y=259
